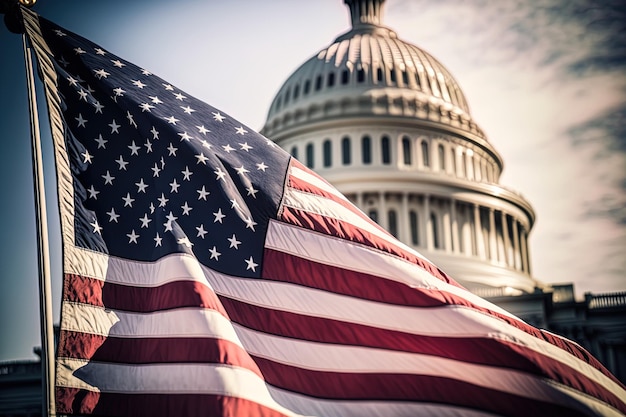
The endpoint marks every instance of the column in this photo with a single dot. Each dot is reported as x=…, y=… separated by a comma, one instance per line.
x=517, y=257
x=493, y=244
x=505, y=239
x=524, y=251
x=446, y=238
x=478, y=233
x=456, y=247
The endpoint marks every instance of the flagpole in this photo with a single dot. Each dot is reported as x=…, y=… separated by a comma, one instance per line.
x=45, y=302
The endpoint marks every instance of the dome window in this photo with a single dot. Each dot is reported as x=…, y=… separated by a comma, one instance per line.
x=406, y=150
x=442, y=158
x=307, y=87
x=386, y=150
x=287, y=94
x=346, y=154
x=360, y=75
x=366, y=150
x=318, y=83
x=379, y=74
x=435, y=230
x=392, y=219
x=345, y=77
x=373, y=214
x=294, y=152
x=414, y=227
x=392, y=76
x=328, y=153
x=309, y=155
x=405, y=78
x=425, y=155
x=331, y=79
x=296, y=91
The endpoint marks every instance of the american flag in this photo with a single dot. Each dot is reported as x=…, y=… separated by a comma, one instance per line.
x=206, y=272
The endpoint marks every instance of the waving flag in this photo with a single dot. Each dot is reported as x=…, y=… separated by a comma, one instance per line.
x=206, y=272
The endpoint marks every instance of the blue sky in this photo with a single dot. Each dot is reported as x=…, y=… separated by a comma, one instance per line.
x=544, y=79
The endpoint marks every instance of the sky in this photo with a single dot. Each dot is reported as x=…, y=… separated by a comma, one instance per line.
x=545, y=80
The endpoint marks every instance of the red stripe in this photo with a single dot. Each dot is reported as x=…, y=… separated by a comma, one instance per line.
x=347, y=231
x=76, y=401
x=482, y=351
x=404, y=387
x=176, y=294
x=153, y=350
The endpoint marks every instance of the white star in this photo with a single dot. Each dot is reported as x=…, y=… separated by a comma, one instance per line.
x=79, y=51
x=168, y=87
x=228, y=148
x=101, y=142
x=250, y=223
x=171, y=120
x=93, y=193
x=172, y=150
x=234, y=204
x=146, y=107
x=108, y=179
x=186, y=174
x=218, y=216
x=145, y=221
x=217, y=116
x=220, y=174
x=162, y=200
x=155, y=133
x=201, y=231
x=130, y=118
x=155, y=100
x=100, y=51
x=138, y=83
x=245, y=146
x=234, y=243
x=80, y=120
x=203, y=193
x=203, y=129
x=82, y=94
x=128, y=200
x=187, y=109
x=158, y=239
x=114, y=127
x=151, y=207
x=148, y=146
x=133, y=148
x=186, y=209
x=184, y=136
x=118, y=63
x=98, y=106
x=145, y=72
x=214, y=253
x=251, y=264
x=179, y=96
x=205, y=144
x=261, y=166
x=96, y=227
x=72, y=81
x=241, y=131
x=122, y=163
x=63, y=62
x=101, y=73
x=87, y=157
x=185, y=241
x=162, y=162
x=269, y=143
x=112, y=215
x=118, y=92
x=156, y=170
x=60, y=33
x=141, y=186
x=170, y=219
x=241, y=170
x=252, y=191
x=132, y=237
x=202, y=158
x=174, y=186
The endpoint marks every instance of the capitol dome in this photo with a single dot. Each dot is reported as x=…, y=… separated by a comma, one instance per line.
x=389, y=126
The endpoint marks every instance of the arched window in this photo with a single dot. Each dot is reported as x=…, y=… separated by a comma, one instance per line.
x=328, y=154
x=360, y=75
x=294, y=152
x=435, y=229
x=405, y=78
x=366, y=149
x=442, y=157
x=386, y=150
x=331, y=79
x=307, y=87
x=406, y=150
x=414, y=227
x=309, y=155
x=373, y=214
x=392, y=221
x=425, y=155
x=346, y=151
x=318, y=82
x=392, y=74
x=345, y=76
x=379, y=74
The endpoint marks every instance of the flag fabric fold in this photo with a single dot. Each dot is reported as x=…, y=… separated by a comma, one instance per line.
x=206, y=272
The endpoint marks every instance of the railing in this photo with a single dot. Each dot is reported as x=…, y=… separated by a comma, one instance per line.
x=601, y=301
x=19, y=368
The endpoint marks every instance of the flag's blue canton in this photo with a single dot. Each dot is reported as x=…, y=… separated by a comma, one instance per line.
x=157, y=171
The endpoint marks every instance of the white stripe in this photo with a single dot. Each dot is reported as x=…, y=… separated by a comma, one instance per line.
x=327, y=357
x=194, y=378
x=184, y=322
x=315, y=181
x=449, y=321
